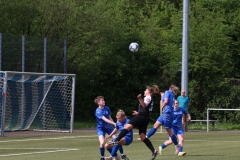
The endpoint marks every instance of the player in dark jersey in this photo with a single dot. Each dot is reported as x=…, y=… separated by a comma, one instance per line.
x=141, y=118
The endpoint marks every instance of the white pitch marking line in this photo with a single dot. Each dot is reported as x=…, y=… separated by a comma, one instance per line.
x=204, y=140
x=24, y=140
x=20, y=154
x=38, y=148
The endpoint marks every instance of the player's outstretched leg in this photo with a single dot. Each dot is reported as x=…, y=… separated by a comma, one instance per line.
x=151, y=132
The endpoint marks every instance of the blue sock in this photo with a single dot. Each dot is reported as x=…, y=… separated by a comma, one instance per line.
x=114, y=151
x=181, y=149
x=109, y=150
x=102, y=151
x=151, y=132
x=120, y=149
x=163, y=146
x=174, y=139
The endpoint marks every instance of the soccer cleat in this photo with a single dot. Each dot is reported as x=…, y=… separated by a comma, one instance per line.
x=155, y=153
x=110, y=142
x=177, y=148
x=182, y=153
x=102, y=158
x=115, y=143
x=160, y=150
x=124, y=157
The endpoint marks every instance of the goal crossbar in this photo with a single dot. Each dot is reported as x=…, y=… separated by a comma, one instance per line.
x=216, y=109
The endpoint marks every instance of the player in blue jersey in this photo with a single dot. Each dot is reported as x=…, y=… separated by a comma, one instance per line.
x=184, y=103
x=167, y=116
x=122, y=120
x=141, y=119
x=105, y=123
x=177, y=128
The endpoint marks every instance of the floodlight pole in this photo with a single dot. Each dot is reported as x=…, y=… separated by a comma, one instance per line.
x=184, y=79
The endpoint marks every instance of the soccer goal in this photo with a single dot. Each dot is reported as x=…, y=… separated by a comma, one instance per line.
x=37, y=101
x=216, y=109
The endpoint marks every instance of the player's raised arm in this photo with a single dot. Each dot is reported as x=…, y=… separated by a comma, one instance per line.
x=141, y=101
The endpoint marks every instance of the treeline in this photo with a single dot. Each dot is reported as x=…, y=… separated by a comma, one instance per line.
x=100, y=31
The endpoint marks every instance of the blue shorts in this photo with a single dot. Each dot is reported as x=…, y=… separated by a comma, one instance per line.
x=128, y=140
x=102, y=132
x=166, y=119
x=177, y=131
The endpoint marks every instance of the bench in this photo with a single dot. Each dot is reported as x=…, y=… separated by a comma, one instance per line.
x=211, y=121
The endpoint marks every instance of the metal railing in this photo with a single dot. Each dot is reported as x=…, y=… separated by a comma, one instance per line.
x=221, y=109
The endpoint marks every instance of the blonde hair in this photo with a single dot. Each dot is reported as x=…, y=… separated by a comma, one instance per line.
x=121, y=113
x=97, y=99
x=174, y=89
x=153, y=89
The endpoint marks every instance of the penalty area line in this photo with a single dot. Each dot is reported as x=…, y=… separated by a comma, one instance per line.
x=30, y=153
x=41, y=139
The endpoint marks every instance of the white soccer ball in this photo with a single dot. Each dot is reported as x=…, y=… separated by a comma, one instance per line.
x=133, y=47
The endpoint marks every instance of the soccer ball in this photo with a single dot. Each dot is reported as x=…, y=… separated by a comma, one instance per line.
x=133, y=47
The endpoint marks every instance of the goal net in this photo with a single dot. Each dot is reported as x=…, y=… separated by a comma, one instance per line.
x=36, y=101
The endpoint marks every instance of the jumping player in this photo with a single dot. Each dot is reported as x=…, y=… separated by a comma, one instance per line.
x=141, y=119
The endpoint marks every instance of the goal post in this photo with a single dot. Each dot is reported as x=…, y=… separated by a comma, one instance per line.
x=37, y=101
x=219, y=109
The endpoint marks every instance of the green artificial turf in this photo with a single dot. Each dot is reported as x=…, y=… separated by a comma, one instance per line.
x=199, y=145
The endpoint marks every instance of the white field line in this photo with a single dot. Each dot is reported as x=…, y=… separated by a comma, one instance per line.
x=58, y=138
x=29, y=153
x=200, y=140
x=96, y=138
x=37, y=148
x=209, y=140
x=41, y=139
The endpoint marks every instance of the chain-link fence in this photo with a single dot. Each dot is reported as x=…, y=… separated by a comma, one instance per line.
x=31, y=54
